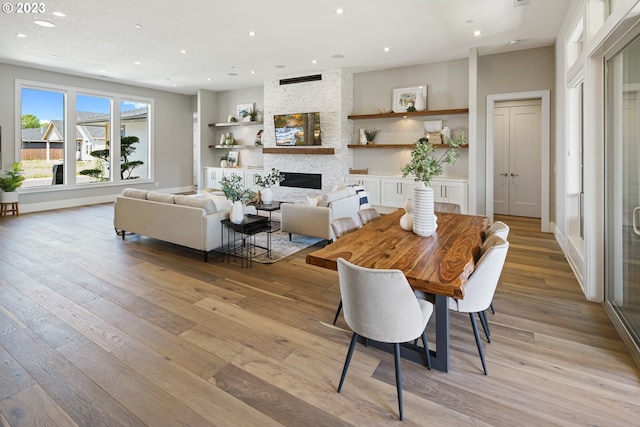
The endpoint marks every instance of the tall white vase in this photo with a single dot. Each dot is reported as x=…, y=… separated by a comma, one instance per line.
x=424, y=219
x=266, y=195
x=236, y=215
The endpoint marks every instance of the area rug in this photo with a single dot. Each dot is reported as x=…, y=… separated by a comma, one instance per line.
x=281, y=247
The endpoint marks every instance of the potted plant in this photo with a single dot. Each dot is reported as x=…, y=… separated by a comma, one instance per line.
x=252, y=114
x=265, y=182
x=234, y=191
x=424, y=165
x=370, y=134
x=10, y=183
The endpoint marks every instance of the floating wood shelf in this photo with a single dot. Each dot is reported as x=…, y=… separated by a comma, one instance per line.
x=410, y=146
x=254, y=123
x=236, y=147
x=298, y=150
x=408, y=114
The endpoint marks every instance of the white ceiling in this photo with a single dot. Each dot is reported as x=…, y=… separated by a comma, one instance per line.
x=99, y=38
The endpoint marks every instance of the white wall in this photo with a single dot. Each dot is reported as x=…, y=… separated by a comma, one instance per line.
x=172, y=131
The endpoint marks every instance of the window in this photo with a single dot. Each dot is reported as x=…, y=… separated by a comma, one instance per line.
x=108, y=129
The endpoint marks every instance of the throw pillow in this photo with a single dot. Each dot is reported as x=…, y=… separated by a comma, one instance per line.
x=160, y=197
x=221, y=203
x=196, y=202
x=313, y=201
x=135, y=193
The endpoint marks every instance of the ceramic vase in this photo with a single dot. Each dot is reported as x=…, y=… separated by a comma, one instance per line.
x=406, y=220
x=267, y=195
x=236, y=215
x=424, y=220
x=9, y=197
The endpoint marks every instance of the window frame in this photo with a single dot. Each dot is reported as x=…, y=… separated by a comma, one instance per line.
x=70, y=93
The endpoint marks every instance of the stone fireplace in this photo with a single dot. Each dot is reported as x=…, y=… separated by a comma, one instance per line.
x=332, y=96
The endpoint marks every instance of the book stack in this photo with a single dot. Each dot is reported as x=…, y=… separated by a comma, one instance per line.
x=435, y=138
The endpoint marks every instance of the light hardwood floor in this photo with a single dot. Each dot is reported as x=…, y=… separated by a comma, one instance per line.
x=99, y=331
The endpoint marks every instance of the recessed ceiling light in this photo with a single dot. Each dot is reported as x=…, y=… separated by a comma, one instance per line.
x=252, y=33
x=253, y=71
x=514, y=42
x=46, y=24
x=174, y=85
x=208, y=79
x=337, y=56
x=59, y=14
x=21, y=35
x=477, y=33
x=232, y=74
x=138, y=26
x=279, y=66
x=55, y=57
x=137, y=62
x=339, y=11
x=313, y=61
x=183, y=50
x=387, y=49
x=469, y=21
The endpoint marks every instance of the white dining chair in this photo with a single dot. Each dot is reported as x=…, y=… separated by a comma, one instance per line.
x=367, y=215
x=380, y=305
x=481, y=286
x=501, y=229
x=342, y=226
x=446, y=207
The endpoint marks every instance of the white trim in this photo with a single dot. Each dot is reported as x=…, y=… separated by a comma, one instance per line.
x=545, y=98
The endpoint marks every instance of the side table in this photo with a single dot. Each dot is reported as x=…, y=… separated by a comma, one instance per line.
x=245, y=247
x=270, y=207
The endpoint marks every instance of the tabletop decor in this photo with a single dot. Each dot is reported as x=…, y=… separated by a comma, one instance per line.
x=10, y=183
x=424, y=165
x=234, y=191
x=265, y=182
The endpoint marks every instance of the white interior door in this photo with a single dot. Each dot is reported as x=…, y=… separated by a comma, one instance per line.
x=517, y=152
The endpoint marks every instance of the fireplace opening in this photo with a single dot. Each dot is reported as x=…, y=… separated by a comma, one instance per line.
x=302, y=180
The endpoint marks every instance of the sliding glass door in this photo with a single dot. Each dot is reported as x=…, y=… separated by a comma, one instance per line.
x=622, y=189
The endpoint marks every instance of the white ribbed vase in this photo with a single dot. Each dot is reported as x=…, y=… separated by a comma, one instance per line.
x=266, y=195
x=424, y=220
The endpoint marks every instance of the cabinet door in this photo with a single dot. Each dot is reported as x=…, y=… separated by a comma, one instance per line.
x=250, y=179
x=406, y=190
x=370, y=184
x=451, y=192
x=390, y=192
x=214, y=175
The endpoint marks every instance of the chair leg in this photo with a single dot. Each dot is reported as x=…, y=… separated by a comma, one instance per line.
x=478, y=343
x=425, y=343
x=491, y=307
x=398, y=376
x=354, y=339
x=335, y=319
x=485, y=324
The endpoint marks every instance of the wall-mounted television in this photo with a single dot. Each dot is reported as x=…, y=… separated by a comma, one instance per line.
x=297, y=129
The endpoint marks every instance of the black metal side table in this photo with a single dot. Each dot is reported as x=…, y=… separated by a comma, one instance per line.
x=245, y=248
x=269, y=207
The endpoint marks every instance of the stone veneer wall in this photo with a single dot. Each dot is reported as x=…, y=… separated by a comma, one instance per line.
x=333, y=98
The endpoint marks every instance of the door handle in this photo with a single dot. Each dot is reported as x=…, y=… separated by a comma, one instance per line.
x=504, y=174
x=514, y=174
x=636, y=229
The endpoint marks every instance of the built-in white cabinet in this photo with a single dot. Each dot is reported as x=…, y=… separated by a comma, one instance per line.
x=392, y=191
x=370, y=184
x=215, y=175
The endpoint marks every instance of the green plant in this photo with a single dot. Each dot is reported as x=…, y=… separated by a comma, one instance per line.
x=272, y=178
x=424, y=164
x=252, y=113
x=370, y=134
x=13, y=178
x=233, y=189
x=100, y=172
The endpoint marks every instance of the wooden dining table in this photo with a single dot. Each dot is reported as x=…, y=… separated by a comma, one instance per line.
x=438, y=265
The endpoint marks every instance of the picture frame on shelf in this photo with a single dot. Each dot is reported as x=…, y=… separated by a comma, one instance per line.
x=432, y=126
x=242, y=111
x=410, y=99
x=232, y=158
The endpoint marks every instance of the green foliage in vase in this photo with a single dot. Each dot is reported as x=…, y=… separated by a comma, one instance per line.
x=13, y=179
x=233, y=189
x=424, y=164
x=370, y=134
x=272, y=178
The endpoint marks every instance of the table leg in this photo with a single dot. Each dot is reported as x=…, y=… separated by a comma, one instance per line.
x=440, y=359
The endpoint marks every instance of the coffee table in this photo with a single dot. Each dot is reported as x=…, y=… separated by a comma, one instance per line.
x=245, y=248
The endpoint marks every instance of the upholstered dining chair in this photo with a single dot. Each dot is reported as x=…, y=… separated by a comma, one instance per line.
x=481, y=286
x=446, y=207
x=342, y=226
x=380, y=305
x=501, y=229
x=367, y=215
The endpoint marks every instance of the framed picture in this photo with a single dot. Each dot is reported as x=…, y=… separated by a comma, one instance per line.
x=242, y=110
x=232, y=158
x=409, y=97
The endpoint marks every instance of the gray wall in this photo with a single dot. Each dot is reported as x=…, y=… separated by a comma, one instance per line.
x=172, y=132
x=519, y=71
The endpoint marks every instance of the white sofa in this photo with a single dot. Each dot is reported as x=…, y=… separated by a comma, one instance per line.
x=191, y=221
x=313, y=219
